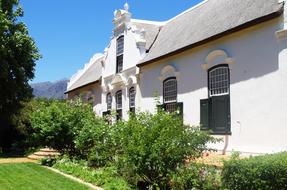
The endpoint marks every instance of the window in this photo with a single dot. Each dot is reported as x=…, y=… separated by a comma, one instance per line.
x=170, y=94
x=120, y=54
x=119, y=104
x=218, y=81
x=215, y=111
x=132, y=94
x=109, y=101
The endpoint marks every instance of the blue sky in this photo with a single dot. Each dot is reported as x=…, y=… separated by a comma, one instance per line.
x=69, y=32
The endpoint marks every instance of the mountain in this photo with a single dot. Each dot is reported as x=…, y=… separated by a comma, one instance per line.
x=51, y=90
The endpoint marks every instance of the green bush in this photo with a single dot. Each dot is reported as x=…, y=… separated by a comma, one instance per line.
x=23, y=126
x=196, y=177
x=154, y=146
x=48, y=161
x=57, y=124
x=261, y=172
x=98, y=143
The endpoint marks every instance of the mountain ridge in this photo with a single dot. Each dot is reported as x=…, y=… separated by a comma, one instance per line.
x=50, y=90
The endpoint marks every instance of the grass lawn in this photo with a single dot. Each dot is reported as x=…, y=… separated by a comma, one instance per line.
x=30, y=176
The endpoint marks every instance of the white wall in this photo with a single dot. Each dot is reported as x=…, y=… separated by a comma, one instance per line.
x=258, y=90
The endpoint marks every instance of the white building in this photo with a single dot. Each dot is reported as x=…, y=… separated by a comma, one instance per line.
x=223, y=63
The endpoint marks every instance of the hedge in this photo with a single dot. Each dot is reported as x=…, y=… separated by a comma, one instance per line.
x=261, y=172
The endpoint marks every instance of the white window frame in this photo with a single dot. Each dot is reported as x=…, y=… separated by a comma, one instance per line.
x=219, y=80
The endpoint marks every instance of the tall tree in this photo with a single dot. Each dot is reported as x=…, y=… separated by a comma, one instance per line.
x=18, y=54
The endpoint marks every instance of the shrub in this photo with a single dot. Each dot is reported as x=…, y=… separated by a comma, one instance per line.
x=261, y=172
x=49, y=161
x=154, y=146
x=196, y=177
x=98, y=143
x=57, y=124
x=23, y=126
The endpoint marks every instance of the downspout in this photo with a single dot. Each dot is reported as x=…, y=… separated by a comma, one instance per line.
x=226, y=142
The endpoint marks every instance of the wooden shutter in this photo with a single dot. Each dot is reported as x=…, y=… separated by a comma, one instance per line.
x=220, y=111
x=180, y=109
x=119, y=114
x=204, y=114
x=106, y=113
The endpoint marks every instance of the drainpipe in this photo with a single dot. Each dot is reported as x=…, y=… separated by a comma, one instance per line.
x=226, y=141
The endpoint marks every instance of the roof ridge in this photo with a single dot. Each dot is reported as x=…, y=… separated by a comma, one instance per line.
x=157, y=23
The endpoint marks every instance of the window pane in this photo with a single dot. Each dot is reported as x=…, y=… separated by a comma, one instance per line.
x=109, y=101
x=170, y=90
x=132, y=94
x=219, y=80
x=119, y=63
x=119, y=100
x=171, y=107
x=120, y=45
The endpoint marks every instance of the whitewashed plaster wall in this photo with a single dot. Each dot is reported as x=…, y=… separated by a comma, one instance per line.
x=258, y=89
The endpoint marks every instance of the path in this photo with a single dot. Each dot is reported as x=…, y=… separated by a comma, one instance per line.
x=15, y=160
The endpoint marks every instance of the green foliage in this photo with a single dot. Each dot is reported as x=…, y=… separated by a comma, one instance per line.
x=58, y=124
x=147, y=149
x=48, y=161
x=261, y=172
x=22, y=124
x=98, y=143
x=196, y=177
x=154, y=146
x=105, y=177
x=18, y=54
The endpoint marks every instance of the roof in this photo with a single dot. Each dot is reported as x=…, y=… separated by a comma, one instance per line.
x=152, y=29
x=90, y=74
x=208, y=20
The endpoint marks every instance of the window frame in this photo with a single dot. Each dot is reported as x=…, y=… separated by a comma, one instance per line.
x=163, y=92
x=170, y=106
x=121, y=97
x=208, y=79
x=120, y=55
x=132, y=108
x=119, y=109
x=109, y=104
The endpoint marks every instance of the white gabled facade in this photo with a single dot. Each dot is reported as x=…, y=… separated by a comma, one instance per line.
x=134, y=49
x=234, y=84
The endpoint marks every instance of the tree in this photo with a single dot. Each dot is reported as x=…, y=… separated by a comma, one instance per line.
x=18, y=54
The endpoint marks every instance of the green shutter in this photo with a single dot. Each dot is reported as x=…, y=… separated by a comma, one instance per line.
x=220, y=111
x=106, y=113
x=180, y=109
x=119, y=115
x=204, y=114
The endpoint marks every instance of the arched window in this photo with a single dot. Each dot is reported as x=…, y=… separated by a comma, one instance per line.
x=218, y=80
x=109, y=101
x=120, y=54
x=170, y=94
x=215, y=111
x=119, y=104
x=132, y=95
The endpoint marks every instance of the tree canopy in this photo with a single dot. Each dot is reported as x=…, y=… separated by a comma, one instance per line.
x=18, y=56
